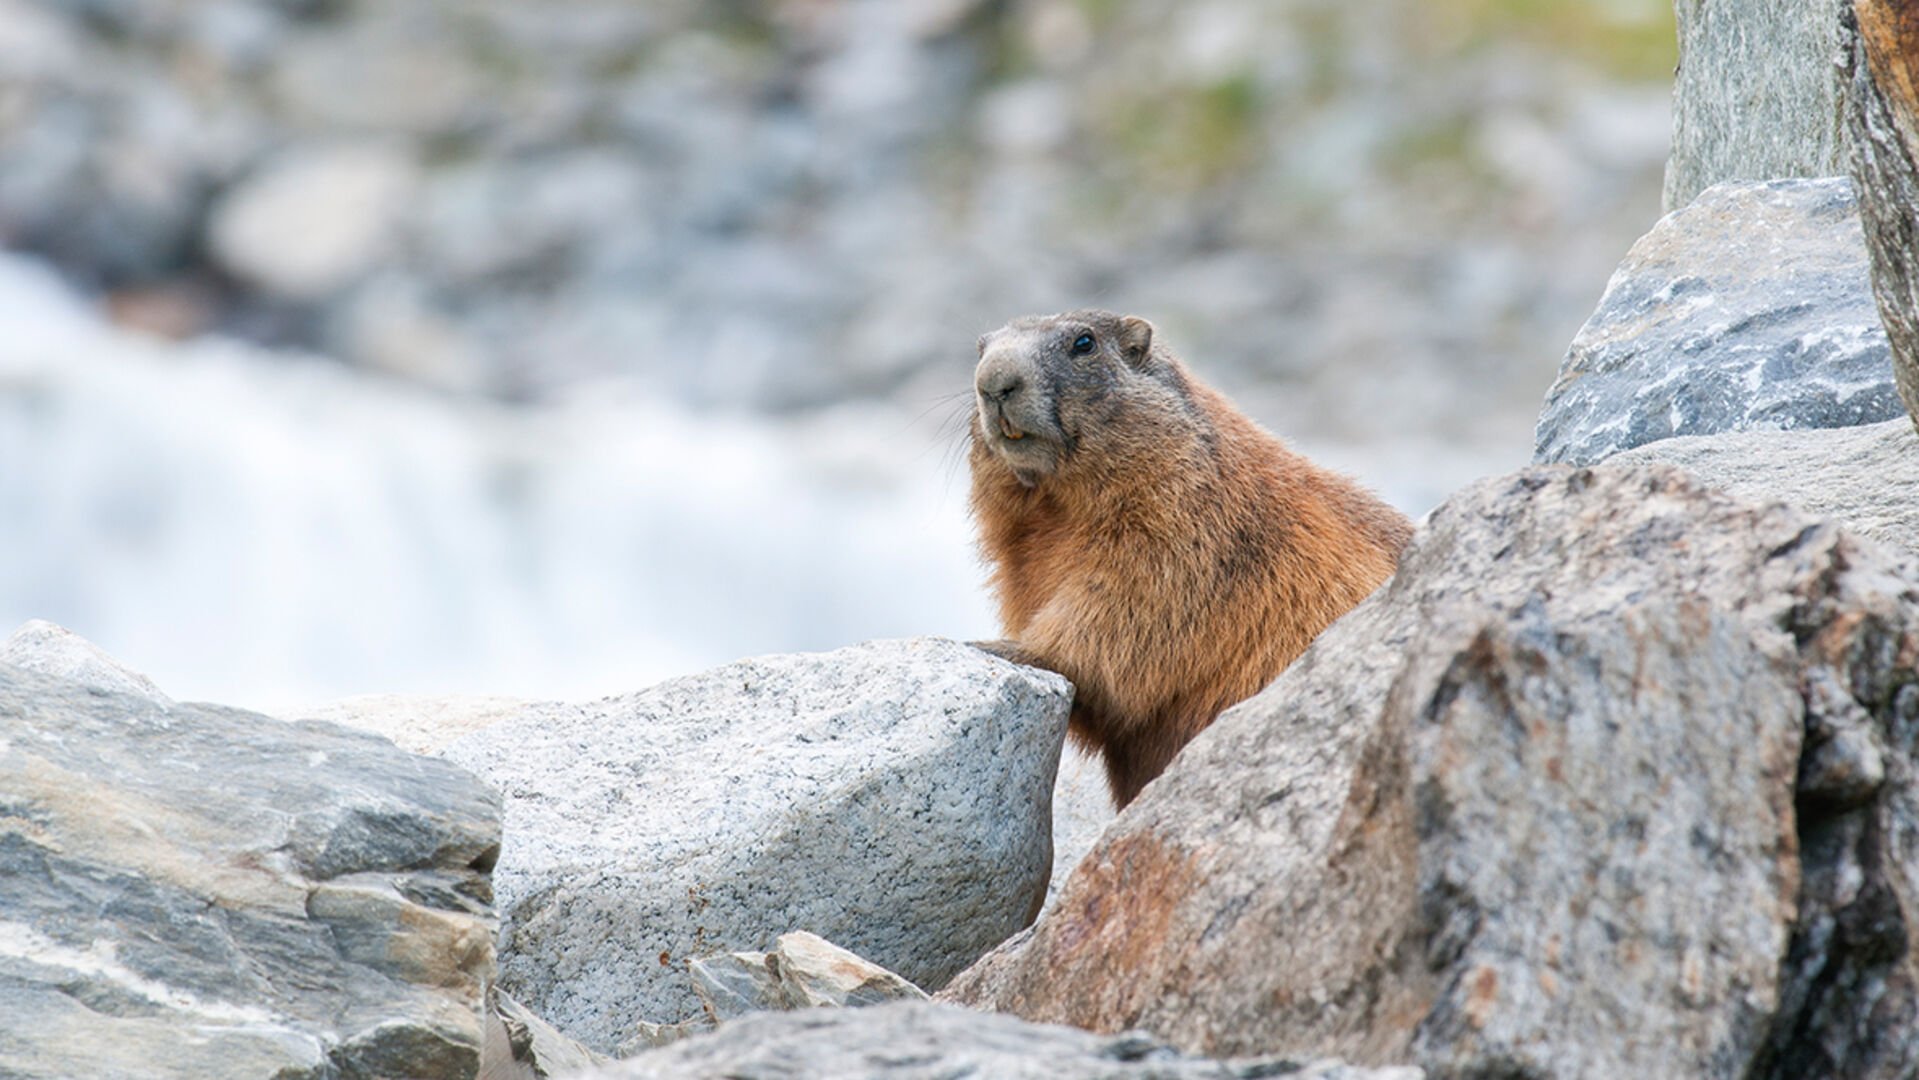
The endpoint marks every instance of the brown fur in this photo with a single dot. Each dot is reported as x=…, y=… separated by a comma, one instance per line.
x=1149, y=541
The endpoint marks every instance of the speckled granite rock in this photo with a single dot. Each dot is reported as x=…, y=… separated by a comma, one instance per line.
x=921, y=1041
x=893, y=797
x=188, y=891
x=1750, y=308
x=1610, y=780
x=426, y=723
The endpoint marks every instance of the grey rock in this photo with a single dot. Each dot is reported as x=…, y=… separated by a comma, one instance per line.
x=1757, y=95
x=1866, y=477
x=380, y=74
x=35, y=43
x=314, y=221
x=41, y=646
x=647, y=1035
x=193, y=891
x=52, y=1035
x=1750, y=308
x=422, y=723
x=733, y=984
x=1606, y=782
x=522, y=1046
x=893, y=797
x=803, y=971
x=815, y=973
x=426, y=723
x=923, y=1041
x=1082, y=808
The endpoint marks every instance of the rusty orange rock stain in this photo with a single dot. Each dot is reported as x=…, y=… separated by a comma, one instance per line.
x=1481, y=995
x=1105, y=962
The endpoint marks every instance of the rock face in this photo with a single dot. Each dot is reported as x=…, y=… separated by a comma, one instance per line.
x=919, y=1041
x=1082, y=807
x=1611, y=780
x=1865, y=477
x=192, y=891
x=804, y=971
x=1756, y=96
x=41, y=646
x=425, y=724
x=1750, y=308
x=422, y=723
x=892, y=797
x=522, y=1046
x=1880, y=69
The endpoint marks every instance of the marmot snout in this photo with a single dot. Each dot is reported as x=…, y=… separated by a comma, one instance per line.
x=1147, y=540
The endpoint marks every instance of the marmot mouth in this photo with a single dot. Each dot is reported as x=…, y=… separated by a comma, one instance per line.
x=1030, y=454
x=1023, y=442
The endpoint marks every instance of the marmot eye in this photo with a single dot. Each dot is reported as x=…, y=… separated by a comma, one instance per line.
x=1083, y=344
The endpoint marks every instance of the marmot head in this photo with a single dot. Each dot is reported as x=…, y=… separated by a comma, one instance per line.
x=1052, y=390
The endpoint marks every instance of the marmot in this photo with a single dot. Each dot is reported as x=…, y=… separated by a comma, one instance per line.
x=1148, y=540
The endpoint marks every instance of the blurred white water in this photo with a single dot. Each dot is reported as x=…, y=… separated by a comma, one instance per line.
x=273, y=530
x=266, y=530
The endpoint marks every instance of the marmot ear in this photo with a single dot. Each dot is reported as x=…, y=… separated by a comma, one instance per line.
x=1135, y=339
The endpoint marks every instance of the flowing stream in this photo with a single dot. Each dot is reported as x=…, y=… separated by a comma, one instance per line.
x=266, y=529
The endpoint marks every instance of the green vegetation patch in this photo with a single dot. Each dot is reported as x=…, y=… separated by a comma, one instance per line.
x=1634, y=39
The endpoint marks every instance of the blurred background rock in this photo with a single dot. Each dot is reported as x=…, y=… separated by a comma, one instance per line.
x=555, y=347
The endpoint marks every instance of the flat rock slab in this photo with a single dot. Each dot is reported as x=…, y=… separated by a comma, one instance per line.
x=919, y=1041
x=1612, y=779
x=192, y=891
x=1749, y=309
x=893, y=797
x=1866, y=477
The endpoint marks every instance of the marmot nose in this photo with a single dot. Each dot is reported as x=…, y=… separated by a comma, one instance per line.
x=999, y=383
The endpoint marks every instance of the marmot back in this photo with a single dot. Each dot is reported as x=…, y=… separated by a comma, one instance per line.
x=1148, y=540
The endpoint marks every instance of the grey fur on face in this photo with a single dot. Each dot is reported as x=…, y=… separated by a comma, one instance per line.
x=1032, y=365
